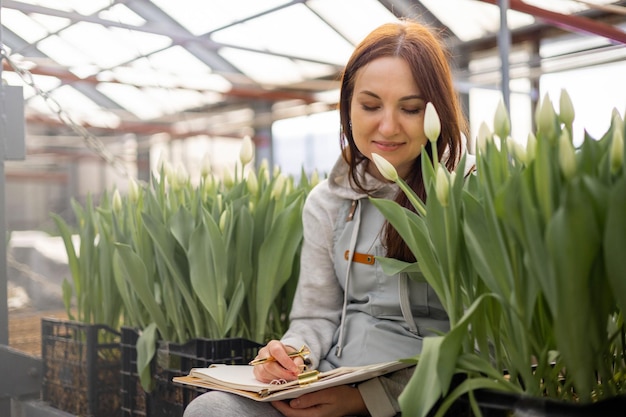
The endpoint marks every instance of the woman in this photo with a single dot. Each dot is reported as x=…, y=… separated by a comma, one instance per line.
x=346, y=311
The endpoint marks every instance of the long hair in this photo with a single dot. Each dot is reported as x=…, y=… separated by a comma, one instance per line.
x=428, y=60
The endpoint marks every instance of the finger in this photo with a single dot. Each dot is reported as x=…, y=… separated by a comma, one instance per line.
x=286, y=410
x=280, y=353
x=273, y=371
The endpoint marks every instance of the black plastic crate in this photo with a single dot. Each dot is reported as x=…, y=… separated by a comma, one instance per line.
x=81, y=368
x=168, y=399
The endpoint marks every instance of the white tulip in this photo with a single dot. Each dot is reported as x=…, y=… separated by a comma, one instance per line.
x=246, y=154
x=432, y=124
x=385, y=167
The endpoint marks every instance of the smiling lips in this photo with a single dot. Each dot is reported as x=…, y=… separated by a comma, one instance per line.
x=387, y=146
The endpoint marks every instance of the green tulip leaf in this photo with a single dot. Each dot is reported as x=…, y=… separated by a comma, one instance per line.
x=146, y=349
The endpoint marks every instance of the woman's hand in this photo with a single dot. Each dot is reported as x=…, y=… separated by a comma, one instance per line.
x=338, y=401
x=282, y=367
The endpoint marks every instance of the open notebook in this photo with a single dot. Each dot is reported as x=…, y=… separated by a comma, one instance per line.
x=240, y=380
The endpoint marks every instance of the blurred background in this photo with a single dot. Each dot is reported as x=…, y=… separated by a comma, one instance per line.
x=112, y=89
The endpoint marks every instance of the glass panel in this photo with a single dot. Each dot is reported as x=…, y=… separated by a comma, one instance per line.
x=294, y=31
x=133, y=98
x=202, y=16
x=122, y=14
x=471, y=19
x=22, y=25
x=354, y=19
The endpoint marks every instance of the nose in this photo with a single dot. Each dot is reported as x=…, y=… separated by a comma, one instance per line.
x=388, y=125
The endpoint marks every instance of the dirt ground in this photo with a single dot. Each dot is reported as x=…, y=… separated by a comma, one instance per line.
x=25, y=329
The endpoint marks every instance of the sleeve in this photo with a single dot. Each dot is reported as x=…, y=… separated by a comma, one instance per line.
x=316, y=308
x=381, y=394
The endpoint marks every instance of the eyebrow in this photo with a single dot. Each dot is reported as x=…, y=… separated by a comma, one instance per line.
x=405, y=98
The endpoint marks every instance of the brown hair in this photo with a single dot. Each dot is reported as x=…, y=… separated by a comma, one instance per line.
x=428, y=60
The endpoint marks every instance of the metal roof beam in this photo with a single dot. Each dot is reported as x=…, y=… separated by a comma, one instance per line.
x=570, y=22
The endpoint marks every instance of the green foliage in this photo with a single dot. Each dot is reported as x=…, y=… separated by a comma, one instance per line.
x=92, y=292
x=526, y=257
x=214, y=260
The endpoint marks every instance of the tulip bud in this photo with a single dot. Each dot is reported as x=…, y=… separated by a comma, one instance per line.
x=247, y=151
x=227, y=178
x=531, y=147
x=516, y=149
x=386, y=169
x=116, y=202
x=279, y=186
x=566, y=110
x=567, y=155
x=616, y=154
x=168, y=171
x=205, y=167
x=220, y=202
x=442, y=187
x=276, y=171
x=289, y=185
x=252, y=183
x=501, y=122
x=211, y=183
x=432, y=124
x=264, y=174
x=181, y=174
x=133, y=190
x=222, y=223
x=615, y=116
x=545, y=118
x=484, y=136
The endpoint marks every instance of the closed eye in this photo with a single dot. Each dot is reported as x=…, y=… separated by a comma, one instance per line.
x=369, y=108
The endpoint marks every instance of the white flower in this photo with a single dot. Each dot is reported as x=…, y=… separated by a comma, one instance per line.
x=442, y=187
x=516, y=149
x=567, y=155
x=617, y=150
x=168, y=170
x=484, y=136
x=279, y=186
x=181, y=174
x=252, y=183
x=264, y=174
x=545, y=117
x=205, y=167
x=246, y=154
x=501, y=122
x=220, y=202
x=222, y=223
x=133, y=190
x=531, y=147
x=566, y=109
x=432, y=124
x=227, y=178
x=386, y=169
x=116, y=201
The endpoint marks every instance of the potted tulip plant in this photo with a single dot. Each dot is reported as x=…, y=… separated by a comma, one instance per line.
x=204, y=268
x=188, y=273
x=525, y=255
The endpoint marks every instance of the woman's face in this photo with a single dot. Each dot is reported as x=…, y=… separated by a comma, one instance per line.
x=387, y=114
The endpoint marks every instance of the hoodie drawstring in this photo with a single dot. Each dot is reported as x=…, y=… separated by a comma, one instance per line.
x=355, y=231
x=405, y=303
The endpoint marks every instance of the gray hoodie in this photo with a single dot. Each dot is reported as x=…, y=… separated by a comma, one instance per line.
x=346, y=310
